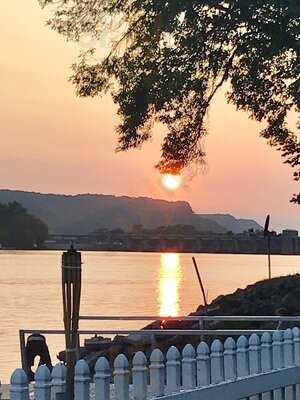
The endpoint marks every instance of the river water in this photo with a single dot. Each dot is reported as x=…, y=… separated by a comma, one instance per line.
x=115, y=284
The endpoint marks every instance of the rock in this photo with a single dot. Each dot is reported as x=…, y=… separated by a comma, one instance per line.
x=262, y=298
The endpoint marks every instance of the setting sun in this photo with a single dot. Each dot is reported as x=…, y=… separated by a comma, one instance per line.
x=171, y=182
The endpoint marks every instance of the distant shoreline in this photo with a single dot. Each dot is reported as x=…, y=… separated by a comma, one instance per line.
x=150, y=251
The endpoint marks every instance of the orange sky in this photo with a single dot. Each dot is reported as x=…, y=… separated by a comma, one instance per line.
x=52, y=141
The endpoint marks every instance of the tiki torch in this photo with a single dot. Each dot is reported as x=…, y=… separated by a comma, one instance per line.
x=71, y=292
x=267, y=235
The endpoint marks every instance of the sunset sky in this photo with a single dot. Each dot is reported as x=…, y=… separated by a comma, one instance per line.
x=52, y=141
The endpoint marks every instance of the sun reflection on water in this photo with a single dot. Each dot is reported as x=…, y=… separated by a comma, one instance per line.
x=169, y=283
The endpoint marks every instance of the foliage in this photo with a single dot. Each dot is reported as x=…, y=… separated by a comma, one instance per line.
x=85, y=213
x=19, y=229
x=167, y=59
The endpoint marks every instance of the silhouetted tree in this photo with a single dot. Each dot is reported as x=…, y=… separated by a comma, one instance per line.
x=167, y=60
x=19, y=229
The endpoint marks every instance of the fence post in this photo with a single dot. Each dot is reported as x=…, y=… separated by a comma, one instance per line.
x=266, y=359
x=203, y=365
x=42, y=386
x=139, y=376
x=102, y=379
x=288, y=356
x=82, y=381
x=242, y=357
x=277, y=350
x=121, y=377
x=58, y=383
x=277, y=360
x=157, y=373
x=217, y=362
x=19, y=385
x=254, y=355
x=173, y=370
x=296, y=340
x=229, y=359
x=288, y=360
x=188, y=367
x=254, y=359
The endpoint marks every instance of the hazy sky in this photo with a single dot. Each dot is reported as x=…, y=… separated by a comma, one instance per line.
x=52, y=141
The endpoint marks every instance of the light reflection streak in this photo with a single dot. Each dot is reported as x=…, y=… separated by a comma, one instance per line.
x=169, y=283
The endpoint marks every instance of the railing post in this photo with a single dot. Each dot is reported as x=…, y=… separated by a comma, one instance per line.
x=266, y=359
x=173, y=370
x=203, y=365
x=157, y=373
x=277, y=360
x=254, y=359
x=296, y=340
x=288, y=359
x=139, y=376
x=288, y=347
x=217, y=362
x=102, y=379
x=277, y=350
x=42, y=386
x=230, y=359
x=242, y=357
x=188, y=367
x=82, y=381
x=121, y=377
x=19, y=385
x=58, y=383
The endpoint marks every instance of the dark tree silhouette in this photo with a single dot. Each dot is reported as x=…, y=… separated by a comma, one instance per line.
x=167, y=60
x=19, y=229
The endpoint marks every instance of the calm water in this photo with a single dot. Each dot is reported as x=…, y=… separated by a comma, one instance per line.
x=114, y=284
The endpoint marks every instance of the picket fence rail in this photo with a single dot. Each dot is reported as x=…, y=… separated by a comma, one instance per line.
x=266, y=367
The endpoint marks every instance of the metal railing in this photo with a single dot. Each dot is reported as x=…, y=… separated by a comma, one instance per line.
x=189, y=318
x=159, y=332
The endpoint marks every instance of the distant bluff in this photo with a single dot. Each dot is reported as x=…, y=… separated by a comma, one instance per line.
x=85, y=213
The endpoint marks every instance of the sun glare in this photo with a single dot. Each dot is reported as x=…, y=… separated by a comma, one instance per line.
x=169, y=284
x=171, y=182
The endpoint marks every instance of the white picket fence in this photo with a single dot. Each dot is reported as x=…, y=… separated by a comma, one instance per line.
x=266, y=367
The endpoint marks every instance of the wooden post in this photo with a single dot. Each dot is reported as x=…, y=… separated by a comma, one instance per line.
x=200, y=282
x=71, y=292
